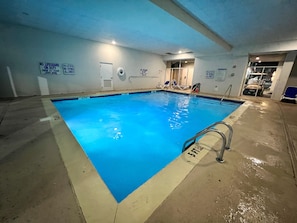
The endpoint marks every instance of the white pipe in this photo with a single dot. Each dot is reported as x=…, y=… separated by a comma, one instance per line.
x=11, y=82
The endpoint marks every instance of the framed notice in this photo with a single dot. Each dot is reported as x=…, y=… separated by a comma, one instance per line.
x=68, y=69
x=221, y=74
x=143, y=71
x=210, y=74
x=49, y=68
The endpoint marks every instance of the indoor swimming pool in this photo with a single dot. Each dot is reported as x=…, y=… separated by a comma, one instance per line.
x=130, y=137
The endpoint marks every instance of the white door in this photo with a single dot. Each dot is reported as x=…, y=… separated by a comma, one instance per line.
x=106, y=76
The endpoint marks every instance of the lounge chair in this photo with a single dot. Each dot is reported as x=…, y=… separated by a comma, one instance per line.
x=290, y=95
x=165, y=85
x=180, y=87
x=175, y=85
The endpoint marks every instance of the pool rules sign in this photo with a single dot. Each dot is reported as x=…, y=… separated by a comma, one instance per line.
x=55, y=69
x=49, y=68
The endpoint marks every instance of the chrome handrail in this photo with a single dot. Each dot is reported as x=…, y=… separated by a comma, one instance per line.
x=230, y=132
x=226, y=143
x=228, y=89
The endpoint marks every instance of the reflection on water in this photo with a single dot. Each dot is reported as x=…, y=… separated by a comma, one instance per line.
x=118, y=134
x=179, y=117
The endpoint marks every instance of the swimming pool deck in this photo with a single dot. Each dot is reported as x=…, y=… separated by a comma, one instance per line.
x=45, y=177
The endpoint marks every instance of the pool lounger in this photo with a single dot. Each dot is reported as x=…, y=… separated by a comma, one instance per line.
x=180, y=87
x=290, y=95
x=165, y=85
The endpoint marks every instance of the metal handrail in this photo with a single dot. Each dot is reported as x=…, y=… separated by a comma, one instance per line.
x=228, y=89
x=192, y=140
x=230, y=132
x=225, y=145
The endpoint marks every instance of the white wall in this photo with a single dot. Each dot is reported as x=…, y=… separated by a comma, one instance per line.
x=276, y=76
x=236, y=69
x=292, y=80
x=23, y=49
x=284, y=75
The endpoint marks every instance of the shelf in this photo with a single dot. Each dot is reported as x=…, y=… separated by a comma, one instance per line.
x=258, y=74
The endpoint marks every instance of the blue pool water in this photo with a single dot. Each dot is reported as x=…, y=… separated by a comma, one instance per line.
x=131, y=137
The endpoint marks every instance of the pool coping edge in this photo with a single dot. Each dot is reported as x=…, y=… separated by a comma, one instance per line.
x=140, y=204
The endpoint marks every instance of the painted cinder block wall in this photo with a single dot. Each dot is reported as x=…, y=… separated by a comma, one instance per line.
x=22, y=48
x=236, y=67
x=235, y=71
x=292, y=80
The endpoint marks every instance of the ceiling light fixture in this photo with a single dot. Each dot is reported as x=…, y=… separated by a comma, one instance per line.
x=180, y=51
x=257, y=58
x=113, y=42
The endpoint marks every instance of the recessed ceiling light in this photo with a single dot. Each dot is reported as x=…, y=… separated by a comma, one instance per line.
x=257, y=58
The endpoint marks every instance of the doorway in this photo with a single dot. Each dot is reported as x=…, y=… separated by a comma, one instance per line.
x=106, y=76
x=180, y=71
x=262, y=74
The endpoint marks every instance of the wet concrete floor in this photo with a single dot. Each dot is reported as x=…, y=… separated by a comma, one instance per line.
x=255, y=184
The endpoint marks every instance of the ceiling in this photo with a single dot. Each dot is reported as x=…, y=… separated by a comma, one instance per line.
x=162, y=26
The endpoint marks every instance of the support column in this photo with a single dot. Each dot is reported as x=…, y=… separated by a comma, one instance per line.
x=284, y=75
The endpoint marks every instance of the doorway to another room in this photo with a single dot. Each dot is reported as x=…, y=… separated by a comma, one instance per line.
x=180, y=72
x=262, y=74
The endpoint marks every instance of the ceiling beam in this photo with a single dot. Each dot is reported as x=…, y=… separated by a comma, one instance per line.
x=180, y=13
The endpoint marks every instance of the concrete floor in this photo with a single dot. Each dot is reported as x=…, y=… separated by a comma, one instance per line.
x=255, y=184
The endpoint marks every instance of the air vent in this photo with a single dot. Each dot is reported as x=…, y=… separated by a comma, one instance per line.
x=107, y=83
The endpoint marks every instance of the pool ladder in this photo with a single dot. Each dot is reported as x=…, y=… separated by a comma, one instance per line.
x=228, y=89
x=226, y=142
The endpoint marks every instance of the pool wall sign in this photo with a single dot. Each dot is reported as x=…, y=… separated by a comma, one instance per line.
x=55, y=69
x=143, y=71
x=220, y=75
x=210, y=74
x=49, y=68
x=68, y=69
